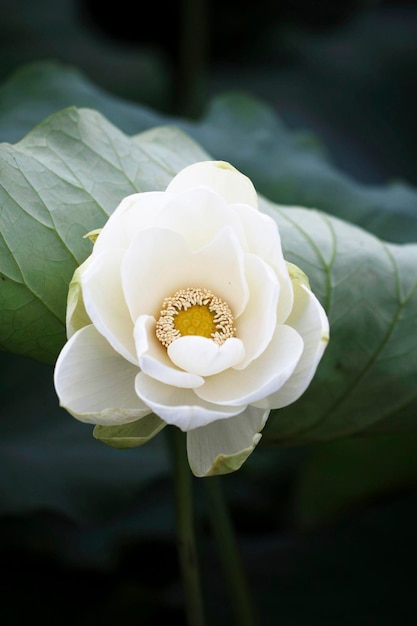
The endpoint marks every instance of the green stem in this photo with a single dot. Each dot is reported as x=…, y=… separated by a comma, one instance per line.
x=230, y=555
x=187, y=550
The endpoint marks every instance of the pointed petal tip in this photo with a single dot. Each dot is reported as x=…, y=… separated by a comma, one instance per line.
x=223, y=446
x=227, y=463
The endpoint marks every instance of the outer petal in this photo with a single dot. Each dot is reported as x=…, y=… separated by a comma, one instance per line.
x=135, y=212
x=256, y=326
x=105, y=302
x=199, y=215
x=219, y=176
x=94, y=383
x=262, y=377
x=203, y=357
x=153, y=358
x=263, y=239
x=221, y=447
x=310, y=320
x=180, y=407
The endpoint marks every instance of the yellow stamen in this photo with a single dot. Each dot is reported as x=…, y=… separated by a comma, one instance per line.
x=194, y=311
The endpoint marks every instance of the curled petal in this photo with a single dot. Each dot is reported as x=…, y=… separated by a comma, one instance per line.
x=221, y=447
x=310, y=320
x=180, y=407
x=203, y=357
x=219, y=176
x=256, y=326
x=105, y=303
x=262, y=377
x=263, y=239
x=153, y=358
x=94, y=383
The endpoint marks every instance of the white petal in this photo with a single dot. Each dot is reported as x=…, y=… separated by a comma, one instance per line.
x=256, y=326
x=105, y=303
x=135, y=213
x=219, y=266
x=198, y=215
x=154, y=267
x=153, y=358
x=203, y=357
x=263, y=239
x=94, y=383
x=310, y=320
x=180, y=407
x=222, y=447
x=158, y=263
x=219, y=176
x=262, y=377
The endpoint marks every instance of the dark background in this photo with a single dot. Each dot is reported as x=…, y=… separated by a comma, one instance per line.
x=81, y=543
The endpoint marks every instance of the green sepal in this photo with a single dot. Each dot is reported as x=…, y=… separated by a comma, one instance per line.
x=130, y=435
x=76, y=316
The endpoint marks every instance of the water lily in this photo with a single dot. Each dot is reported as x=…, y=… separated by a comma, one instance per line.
x=186, y=313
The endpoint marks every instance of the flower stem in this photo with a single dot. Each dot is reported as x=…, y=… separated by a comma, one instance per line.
x=187, y=550
x=229, y=551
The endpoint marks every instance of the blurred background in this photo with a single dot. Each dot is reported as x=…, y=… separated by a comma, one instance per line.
x=327, y=532
x=345, y=70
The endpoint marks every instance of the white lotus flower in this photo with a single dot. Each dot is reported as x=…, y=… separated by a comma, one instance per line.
x=186, y=313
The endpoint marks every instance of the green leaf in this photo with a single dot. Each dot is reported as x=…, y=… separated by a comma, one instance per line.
x=38, y=90
x=66, y=176
x=288, y=167
x=57, y=184
x=369, y=289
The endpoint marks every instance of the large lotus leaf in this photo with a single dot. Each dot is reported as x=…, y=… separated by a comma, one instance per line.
x=291, y=168
x=287, y=166
x=69, y=173
x=369, y=289
x=60, y=182
x=37, y=90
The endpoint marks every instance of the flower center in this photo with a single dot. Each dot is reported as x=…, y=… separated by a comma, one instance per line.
x=194, y=311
